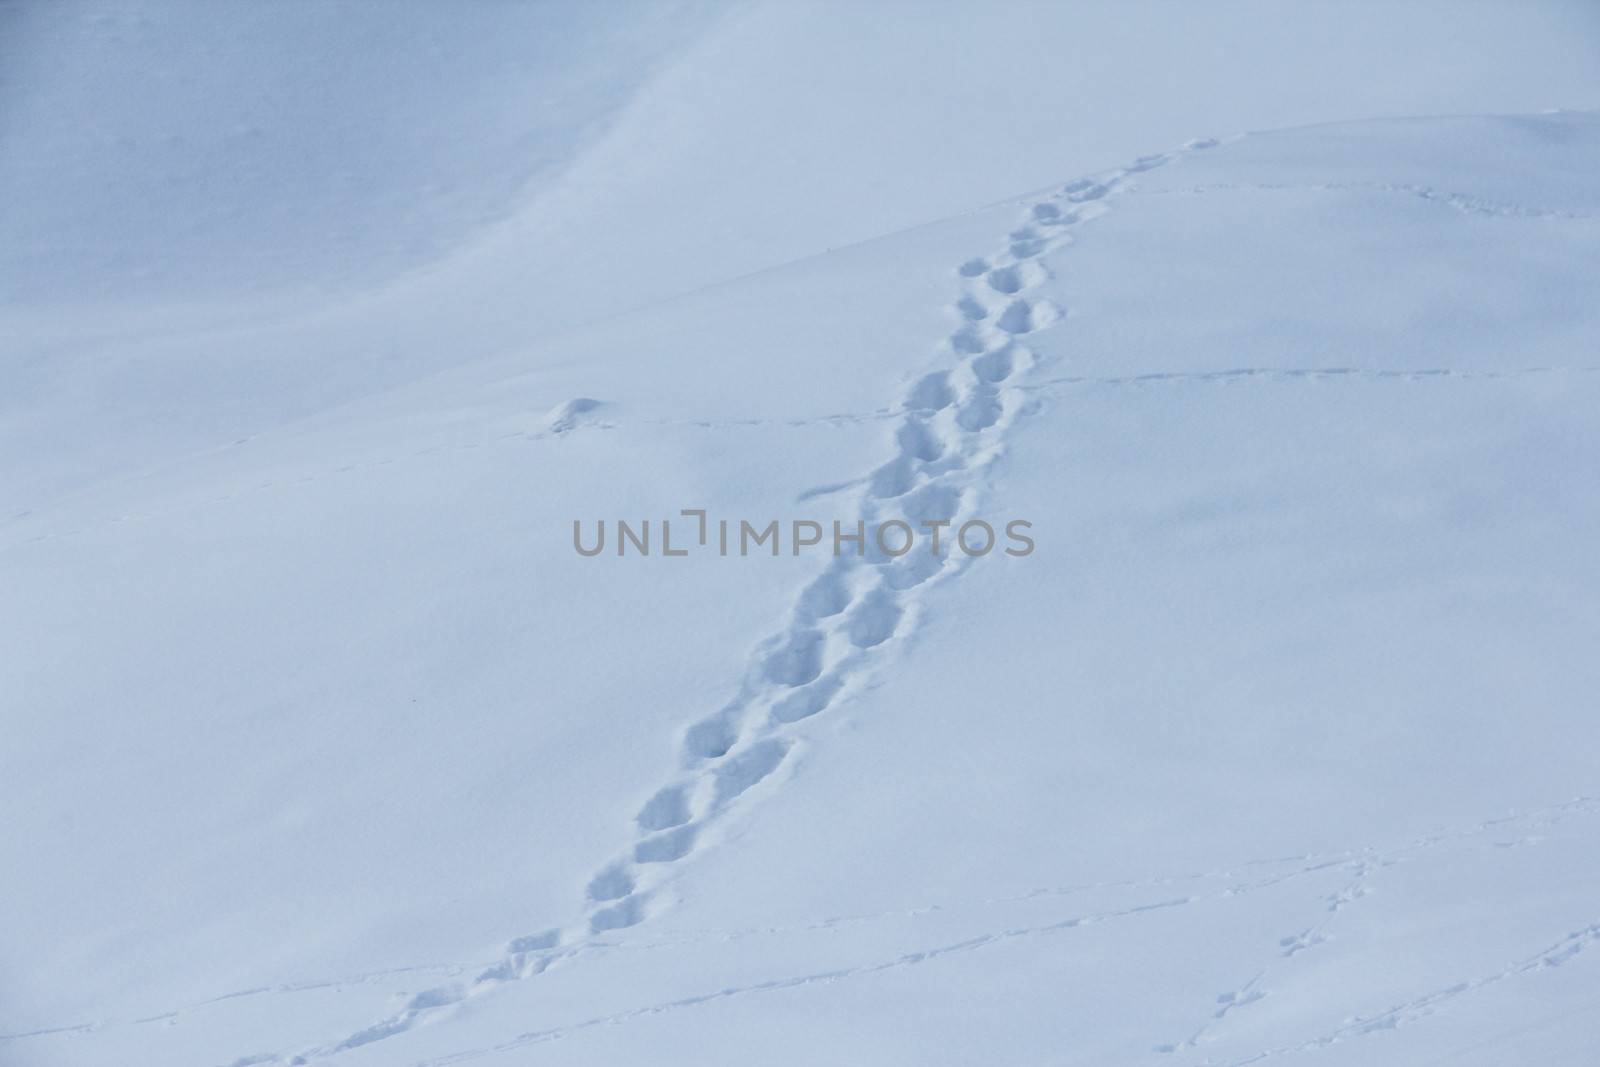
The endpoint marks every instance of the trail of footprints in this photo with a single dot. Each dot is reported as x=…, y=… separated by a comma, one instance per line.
x=947, y=431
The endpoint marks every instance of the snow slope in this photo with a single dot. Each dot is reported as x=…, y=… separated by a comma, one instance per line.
x=323, y=743
x=663, y=147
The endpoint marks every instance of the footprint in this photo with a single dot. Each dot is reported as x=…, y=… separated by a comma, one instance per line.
x=1013, y=280
x=893, y=479
x=1226, y=1002
x=1144, y=163
x=966, y=341
x=969, y=308
x=628, y=912
x=973, y=267
x=437, y=997
x=666, y=847
x=931, y=503
x=994, y=366
x=711, y=738
x=874, y=620
x=930, y=393
x=827, y=595
x=747, y=768
x=535, y=943
x=1027, y=243
x=1085, y=189
x=1017, y=318
x=980, y=412
x=1295, y=943
x=613, y=883
x=915, y=439
x=807, y=700
x=797, y=661
x=667, y=809
x=911, y=571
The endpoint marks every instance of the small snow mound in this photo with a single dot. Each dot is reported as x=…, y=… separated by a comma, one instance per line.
x=565, y=415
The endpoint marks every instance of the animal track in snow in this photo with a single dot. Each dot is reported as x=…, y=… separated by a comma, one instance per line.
x=1299, y=942
x=530, y=955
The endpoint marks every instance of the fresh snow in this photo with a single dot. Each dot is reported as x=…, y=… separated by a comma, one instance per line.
x=323, y=745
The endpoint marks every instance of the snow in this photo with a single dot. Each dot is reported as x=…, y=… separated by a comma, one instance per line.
x=323, y=742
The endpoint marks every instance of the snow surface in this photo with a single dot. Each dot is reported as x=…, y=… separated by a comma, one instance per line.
x=323, y=745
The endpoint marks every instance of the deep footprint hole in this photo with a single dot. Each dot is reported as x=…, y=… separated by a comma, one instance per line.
x=710, y=738
x=668, y=808
x=613, y=883
x=797, y=661
x=930, y=393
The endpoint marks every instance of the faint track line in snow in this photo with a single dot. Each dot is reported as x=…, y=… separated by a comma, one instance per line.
x=1465, y=203
x=309, y=985
x=1363, y=867
x=1238, y=877
x=1554, y=955
x=1226, y=376
x=1221, y=376
x=1287, y=948
x=1232, y=375
x=902, y=960
x=347, y=467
